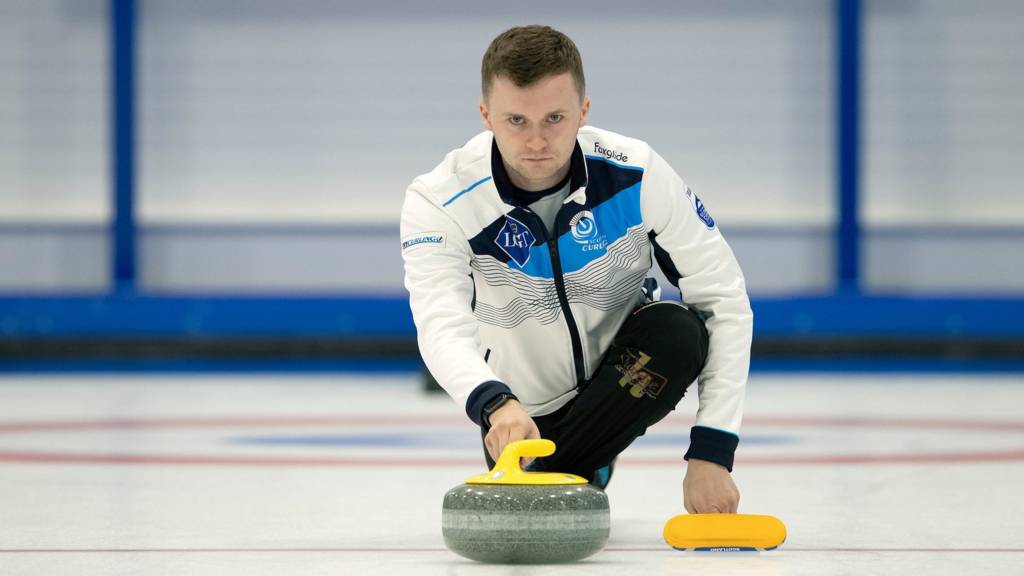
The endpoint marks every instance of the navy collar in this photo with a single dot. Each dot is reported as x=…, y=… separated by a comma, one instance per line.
x=515, y=196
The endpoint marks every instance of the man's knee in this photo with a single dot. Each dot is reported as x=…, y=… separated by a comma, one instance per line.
x=670, y=333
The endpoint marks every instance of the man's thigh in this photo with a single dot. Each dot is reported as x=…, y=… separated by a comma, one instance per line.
x=656, y=355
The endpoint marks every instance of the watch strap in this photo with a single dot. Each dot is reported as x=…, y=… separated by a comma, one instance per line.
x=493, y=404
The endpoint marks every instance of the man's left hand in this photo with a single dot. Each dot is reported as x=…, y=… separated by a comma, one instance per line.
x=708, y=489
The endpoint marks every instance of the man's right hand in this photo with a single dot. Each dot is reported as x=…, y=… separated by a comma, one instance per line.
x=508, y=424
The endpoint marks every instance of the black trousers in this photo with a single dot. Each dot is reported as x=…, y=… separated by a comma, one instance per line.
x=658, y=352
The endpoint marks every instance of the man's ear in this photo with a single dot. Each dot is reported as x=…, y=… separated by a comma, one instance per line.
x=586, y=111
x=485, y=116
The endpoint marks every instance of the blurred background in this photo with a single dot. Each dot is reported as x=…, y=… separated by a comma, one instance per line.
x=216, y=184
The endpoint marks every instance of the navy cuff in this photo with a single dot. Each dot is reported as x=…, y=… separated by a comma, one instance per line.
x=712, y=445
x=480, y=396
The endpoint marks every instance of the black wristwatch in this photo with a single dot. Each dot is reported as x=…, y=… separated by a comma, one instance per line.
x=493, y=404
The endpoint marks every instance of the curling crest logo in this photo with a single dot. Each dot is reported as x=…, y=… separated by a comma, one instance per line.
x=584, y=231
x=583, y=226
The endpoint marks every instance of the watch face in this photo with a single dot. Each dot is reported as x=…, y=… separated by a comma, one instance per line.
x=494, y=404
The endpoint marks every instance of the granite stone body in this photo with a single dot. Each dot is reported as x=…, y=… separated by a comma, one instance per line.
x=524, y=524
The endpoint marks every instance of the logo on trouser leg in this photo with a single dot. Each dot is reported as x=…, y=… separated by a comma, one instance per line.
x=635, y=375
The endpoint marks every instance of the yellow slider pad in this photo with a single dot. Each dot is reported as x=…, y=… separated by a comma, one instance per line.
x=724, y=532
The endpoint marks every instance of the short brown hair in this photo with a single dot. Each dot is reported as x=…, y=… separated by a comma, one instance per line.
x=525, y=54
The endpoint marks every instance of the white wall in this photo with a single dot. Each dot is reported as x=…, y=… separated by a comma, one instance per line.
x=942, y=200
x=275, y=139
x=54, y=111
x=321, y=114
x=257, y=112
x=943, y=111
x=54, y=152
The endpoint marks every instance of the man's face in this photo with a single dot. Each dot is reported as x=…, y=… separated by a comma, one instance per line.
x=535, y=127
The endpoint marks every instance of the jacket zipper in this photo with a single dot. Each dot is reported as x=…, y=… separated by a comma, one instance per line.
x=563, y=301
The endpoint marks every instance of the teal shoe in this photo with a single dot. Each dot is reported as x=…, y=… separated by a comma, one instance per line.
x=603, y=475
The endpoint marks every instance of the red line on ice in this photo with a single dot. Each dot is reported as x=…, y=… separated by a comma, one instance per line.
x=441, y=420
x=664, y=549
x=220, y=460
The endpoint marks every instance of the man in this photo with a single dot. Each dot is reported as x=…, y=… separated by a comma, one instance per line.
x=526, y=254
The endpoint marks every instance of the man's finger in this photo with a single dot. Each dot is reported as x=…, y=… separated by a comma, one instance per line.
x=489, y=443
x=706, y=507
x=497, y=448
x=504, y=439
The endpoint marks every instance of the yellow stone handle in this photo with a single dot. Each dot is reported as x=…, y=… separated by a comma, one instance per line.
x=513, y=453
x=508, y=471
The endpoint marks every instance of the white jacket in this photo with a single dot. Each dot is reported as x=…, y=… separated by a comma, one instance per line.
x=496, y=305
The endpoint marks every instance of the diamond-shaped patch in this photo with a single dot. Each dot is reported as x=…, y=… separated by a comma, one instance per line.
x=515, y=239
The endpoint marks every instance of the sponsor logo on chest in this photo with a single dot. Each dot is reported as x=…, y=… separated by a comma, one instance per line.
x=609, y=153
x=515, y=239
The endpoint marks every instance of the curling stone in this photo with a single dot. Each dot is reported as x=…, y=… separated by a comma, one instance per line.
x=511, y=516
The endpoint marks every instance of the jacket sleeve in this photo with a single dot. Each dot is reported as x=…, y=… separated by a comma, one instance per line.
x=694, y=255
x=440, y=284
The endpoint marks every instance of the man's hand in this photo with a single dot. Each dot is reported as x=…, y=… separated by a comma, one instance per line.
x=508, y=424
x=708, y=489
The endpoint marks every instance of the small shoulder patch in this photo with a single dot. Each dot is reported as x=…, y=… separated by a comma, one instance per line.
x=423, y=240
x=698, y=206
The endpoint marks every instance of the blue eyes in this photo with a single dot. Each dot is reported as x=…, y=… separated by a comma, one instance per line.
x=519, y=120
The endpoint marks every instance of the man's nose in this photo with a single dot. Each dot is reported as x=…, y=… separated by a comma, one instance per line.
x=536, y=141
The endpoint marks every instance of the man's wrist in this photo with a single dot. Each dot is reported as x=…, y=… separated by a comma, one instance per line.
x=712, y=445
x=701, y=463
x=495, y=404
x=480, y=396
